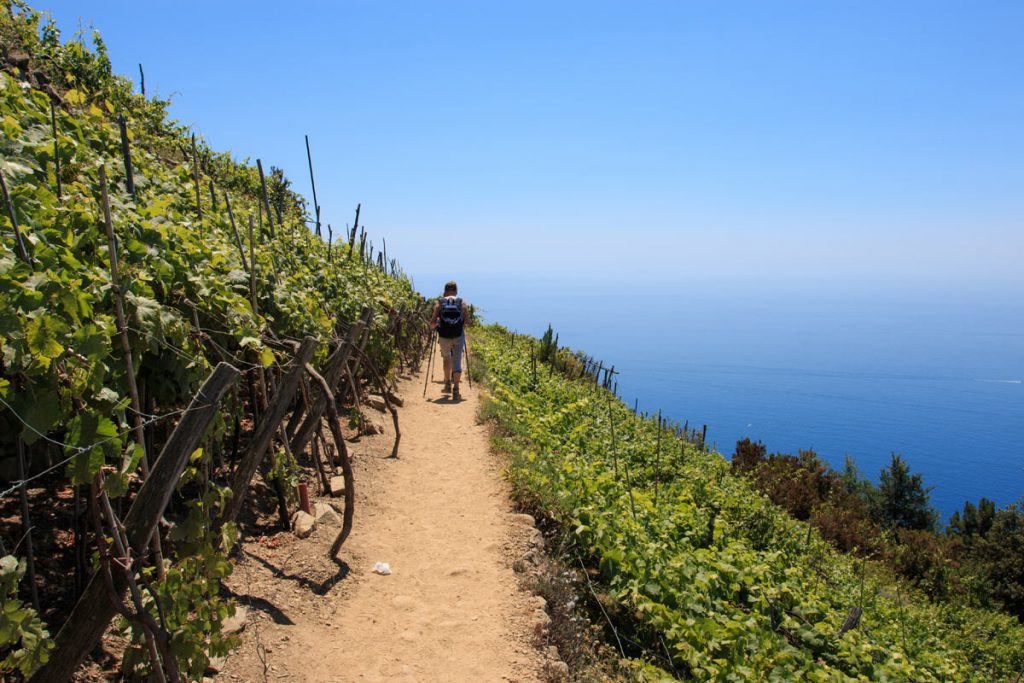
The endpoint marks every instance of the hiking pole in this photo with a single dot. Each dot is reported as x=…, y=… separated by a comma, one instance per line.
x=430, y=363
x=465, y=347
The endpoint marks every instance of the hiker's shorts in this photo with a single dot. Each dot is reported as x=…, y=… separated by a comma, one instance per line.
x=452, y=348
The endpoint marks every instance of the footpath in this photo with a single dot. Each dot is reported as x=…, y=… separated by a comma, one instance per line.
x=452, y=608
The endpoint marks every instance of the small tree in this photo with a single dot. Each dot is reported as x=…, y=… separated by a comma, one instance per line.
x=999, y=555
x=548, y=346
x=748, y=456
x=975, y=521
x=903, y=500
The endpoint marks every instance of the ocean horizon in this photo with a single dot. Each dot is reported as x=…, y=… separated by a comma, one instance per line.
x=931, y=373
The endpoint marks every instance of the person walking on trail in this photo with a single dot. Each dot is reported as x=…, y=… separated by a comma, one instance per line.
x=449, y=319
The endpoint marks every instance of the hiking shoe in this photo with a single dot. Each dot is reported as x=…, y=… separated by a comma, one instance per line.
x=447, y=387
x=456, y=396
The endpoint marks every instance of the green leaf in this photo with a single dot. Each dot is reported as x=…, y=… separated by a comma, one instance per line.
x=41, y=335
x=42, y=413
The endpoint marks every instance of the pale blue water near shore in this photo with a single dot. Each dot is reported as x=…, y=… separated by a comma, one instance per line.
x=937, y=376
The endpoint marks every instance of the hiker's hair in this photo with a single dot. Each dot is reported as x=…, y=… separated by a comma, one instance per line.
x=450, y=288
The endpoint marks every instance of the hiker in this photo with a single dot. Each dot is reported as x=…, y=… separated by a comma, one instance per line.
x=449, y=319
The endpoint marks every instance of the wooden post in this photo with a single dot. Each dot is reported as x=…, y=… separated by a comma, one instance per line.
x=26, y=525
x=56, y=148
x=386, y=395
x=352, y=237
x=18, y=241
x=265, y=430
x=611, y=427
x=346, y=465
x=142, y=80
x=266, y=199
x=91, y=614
x=126, y=349
x=122, y=327
x=657, y=460
x=234, y=229
x=195, y=178
x=312, y=182
x=252, y=271
x=213, y=197
x=127, y=154
x=333, y=369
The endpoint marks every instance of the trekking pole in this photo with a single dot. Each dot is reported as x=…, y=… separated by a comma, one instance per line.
x=465, y=347
x=430, y=363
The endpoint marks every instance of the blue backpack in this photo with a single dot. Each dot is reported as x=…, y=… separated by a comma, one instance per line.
x=450, y=321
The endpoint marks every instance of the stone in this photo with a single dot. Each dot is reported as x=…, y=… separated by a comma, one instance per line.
x=376, y=402
x=522, y=518
x=541, y=622
x=538, y=602
x=236, y=622
x=326, y=514
x=304, y=524
x=338, y=486
x=215, y=665
x=556, y=670
x=369, y=428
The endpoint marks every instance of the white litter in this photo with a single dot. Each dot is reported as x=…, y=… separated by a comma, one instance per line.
x=382, y=568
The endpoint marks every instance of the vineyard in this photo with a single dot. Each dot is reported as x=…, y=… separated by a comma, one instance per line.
x=699, y=576
x=175, y=329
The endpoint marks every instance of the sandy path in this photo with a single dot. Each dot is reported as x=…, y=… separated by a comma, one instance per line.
x=452, y=609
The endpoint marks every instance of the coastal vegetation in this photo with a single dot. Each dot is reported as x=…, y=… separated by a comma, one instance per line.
x=700, y=574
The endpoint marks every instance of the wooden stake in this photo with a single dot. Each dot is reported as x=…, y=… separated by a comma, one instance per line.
x=352, y=237
x=56, y=149
x=122, y=327
x=26, y=525
x=18, y=241
x=142, y=80
x=611, y=427
x=252, y=271
x=126, y=349
x=334, y=422
x=195, y=178
x=265, y=430
x=126, y=153
x=333, y=369
x=657, y=461
x=312, y=182
x=266, y=199
x=234, y=229
x=91, y=614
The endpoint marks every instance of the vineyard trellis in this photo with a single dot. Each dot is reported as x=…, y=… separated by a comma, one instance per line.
x=138, y=321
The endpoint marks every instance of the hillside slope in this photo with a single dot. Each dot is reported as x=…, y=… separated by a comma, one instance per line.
x=133, y=259
x=695, y=564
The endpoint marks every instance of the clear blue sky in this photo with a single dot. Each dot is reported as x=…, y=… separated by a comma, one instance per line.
x=846, y=141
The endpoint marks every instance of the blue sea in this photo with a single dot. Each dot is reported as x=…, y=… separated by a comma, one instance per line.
x=935, y=374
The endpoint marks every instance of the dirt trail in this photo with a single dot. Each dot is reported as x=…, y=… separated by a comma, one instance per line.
x=452, y=609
